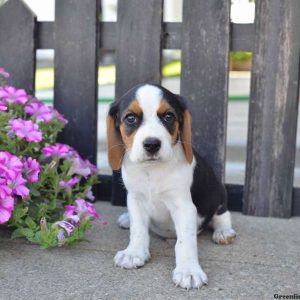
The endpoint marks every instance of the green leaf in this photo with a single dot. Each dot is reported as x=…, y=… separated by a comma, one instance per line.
x=30, y=223
x=52, y=204
x=22, y=232
x=65, y=166
x=37, y=237
x=48, y=238
x=42, y=210
x=34, y=192
x=19, y=213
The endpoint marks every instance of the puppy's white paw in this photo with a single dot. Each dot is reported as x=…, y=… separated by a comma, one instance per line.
x=224, y=236
x=123, y=220
x=129, y=259
x=189, y=277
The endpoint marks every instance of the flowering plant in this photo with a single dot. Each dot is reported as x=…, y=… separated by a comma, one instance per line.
x=43, y=184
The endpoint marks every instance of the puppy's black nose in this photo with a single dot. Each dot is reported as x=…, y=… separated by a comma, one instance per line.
x=152, y=145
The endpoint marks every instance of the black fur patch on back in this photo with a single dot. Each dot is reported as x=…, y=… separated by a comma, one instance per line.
x=208, y=193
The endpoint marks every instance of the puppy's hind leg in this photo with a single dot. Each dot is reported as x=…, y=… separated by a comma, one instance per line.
x=123, y=220
x=223, y=232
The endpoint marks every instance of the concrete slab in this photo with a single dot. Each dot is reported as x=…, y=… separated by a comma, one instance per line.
x=264, y=260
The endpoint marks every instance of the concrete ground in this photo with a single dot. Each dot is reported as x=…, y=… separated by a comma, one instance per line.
x=263, y=261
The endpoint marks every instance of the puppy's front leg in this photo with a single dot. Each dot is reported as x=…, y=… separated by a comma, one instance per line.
x=137, y=252
x=188, y=273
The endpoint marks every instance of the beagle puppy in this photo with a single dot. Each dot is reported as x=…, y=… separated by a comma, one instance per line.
x=171, y=190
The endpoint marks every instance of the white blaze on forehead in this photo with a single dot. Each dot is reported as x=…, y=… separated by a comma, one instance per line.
x=149, y=98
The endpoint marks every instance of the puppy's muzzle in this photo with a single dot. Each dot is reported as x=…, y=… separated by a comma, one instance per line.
x=151, y=145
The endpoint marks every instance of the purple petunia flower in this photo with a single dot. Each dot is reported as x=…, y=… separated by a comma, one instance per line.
x=6, y=208
x=26, y=129
x=90, y=195
x=60, y=117
x=4, y=73
x=5, y=191
x=11, y=180
x=60, y=150
x=39, y=110
x=67, y=226
x=17, y=184
x=82, y=167
x=69, y=183
x=61, y=237
x=9, y=164
x=3, y=106
x=70, y=211
x=83, y=209
x=74, y=219
x=12, y=95
x=32, y=168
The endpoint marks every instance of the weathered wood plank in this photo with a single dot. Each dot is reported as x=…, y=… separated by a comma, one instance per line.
x=242, y=37
x=296, y=202
x=204, y=79
x=45, y=35
x=76, y=62
x=273, y=109
x=138, y=55
x=172, y=35
x=108, y=35
x=17, y=46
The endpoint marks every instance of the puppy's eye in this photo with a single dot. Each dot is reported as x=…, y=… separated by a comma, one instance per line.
x=168, y=117
x=131, y=119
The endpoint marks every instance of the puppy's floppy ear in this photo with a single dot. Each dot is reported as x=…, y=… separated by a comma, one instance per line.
x=186, y=136
x=115, y=145
x=186, y=128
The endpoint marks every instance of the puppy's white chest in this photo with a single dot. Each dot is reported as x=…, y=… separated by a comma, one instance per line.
x=148, y=185
x=154, y=186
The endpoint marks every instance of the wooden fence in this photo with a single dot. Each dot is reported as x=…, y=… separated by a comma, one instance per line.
x=205, y=37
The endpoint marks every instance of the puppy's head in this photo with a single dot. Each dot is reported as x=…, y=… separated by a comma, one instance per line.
x=146, y=123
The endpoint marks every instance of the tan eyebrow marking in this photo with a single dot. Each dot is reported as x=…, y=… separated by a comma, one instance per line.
x=135, y=107
x=164, y=106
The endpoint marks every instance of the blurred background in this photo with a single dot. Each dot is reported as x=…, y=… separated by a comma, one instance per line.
x=242, y=11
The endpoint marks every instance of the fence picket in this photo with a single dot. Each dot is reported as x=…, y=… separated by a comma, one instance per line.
x=139, y=43
x=204, y=79
x=273, y=109
x=17, y=46
x=76, y=64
